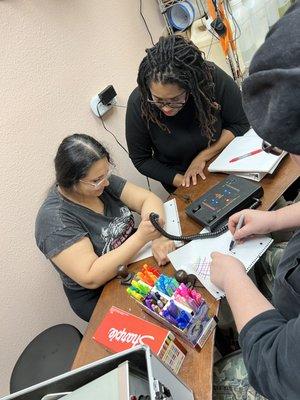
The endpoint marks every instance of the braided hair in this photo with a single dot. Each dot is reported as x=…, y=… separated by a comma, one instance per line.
x=175, y=60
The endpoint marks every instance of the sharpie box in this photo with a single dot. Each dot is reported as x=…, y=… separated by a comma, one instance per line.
x=120, y=330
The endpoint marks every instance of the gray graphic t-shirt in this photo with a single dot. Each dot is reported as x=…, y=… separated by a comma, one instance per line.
x=61, y=223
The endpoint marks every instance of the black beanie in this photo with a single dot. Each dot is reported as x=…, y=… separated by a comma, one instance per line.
x=271, y=93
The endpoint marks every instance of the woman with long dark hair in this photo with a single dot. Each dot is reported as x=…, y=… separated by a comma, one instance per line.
x=85, y=225
x=184, y=111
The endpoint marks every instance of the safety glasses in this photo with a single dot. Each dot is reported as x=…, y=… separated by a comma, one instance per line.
x=97, y=184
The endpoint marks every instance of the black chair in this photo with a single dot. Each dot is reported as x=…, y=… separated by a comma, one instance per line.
x=49, y=354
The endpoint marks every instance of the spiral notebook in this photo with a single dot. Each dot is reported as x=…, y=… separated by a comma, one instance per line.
x=195, y=258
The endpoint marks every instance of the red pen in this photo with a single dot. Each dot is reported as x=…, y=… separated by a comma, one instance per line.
x=251, y=153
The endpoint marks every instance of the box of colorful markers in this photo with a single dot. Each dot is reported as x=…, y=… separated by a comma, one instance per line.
x=181, y=309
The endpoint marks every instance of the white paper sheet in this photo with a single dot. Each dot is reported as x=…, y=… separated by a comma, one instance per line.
x=195, y=258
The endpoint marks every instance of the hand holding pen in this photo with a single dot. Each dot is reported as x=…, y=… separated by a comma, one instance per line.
x=255, y=222
x=238, y=226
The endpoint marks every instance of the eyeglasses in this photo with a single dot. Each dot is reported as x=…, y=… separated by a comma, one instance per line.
x=268, y=148
x=99, y=182
x=170, y=103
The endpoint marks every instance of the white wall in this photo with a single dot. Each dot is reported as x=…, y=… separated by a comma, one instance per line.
x=55, y=55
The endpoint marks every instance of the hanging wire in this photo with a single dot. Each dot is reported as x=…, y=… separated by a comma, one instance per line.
x=104, y=126
x=141, y=13
x=116, y=139
x=118, y=105
x=235, y=23
x=210, y=45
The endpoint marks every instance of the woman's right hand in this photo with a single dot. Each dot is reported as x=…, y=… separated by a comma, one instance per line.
x=146, y=231
x=255, y=222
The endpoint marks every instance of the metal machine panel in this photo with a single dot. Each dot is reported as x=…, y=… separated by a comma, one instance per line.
x=142, y=364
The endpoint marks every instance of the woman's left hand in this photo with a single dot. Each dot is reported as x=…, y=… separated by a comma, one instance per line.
x=196, y=168
x=160, y=249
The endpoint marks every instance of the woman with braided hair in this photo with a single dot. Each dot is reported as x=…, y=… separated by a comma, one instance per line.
x=184, y=111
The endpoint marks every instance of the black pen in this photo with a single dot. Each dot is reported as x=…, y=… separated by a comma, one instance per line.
x=239, y=225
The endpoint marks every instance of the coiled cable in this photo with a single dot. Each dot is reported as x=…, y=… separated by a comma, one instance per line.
x=154, y=221
x=153, y=217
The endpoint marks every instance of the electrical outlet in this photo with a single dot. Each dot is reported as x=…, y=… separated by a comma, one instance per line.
x=98, y=108
x=103, y=101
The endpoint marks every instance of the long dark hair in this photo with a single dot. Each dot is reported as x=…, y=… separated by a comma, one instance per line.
x=75, y=156
x=175, y=60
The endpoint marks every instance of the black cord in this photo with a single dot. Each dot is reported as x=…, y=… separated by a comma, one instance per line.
x=154, y=221
x=141, y=13
x=235, y=23
x=104, y=126
x=215, y=6
x=114, y=136
x=154, y=218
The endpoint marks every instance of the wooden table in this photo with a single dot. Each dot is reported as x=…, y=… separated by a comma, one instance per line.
x=196, y=370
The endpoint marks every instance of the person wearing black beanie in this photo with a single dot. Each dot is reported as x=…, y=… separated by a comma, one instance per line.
x=269, y=365
x=271, y=93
